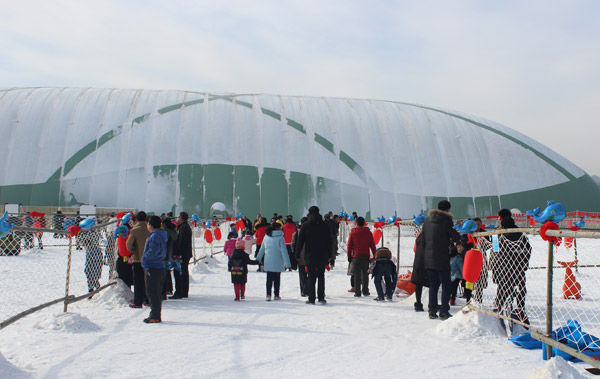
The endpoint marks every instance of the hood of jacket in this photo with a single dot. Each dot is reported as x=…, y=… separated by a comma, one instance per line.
x=437, y=216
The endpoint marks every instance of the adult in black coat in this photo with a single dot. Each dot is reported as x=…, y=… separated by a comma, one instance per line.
x=182, y=251
x=437, y=234
x=419, y=275
x=315, y=238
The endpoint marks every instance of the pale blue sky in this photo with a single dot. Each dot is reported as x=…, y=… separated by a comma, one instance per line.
x=531, y=65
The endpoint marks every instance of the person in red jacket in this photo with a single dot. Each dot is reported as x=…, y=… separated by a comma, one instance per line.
x=360, y=247
x=289, y=228
x=261, y=230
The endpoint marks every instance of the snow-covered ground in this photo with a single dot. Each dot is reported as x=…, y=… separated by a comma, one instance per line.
x=211, y=336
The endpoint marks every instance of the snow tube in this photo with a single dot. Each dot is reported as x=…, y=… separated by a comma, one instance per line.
x=218, y=234
x=526, y=341
x=472, y=265
x=74, y=230
x=208, y=236
x=377, y=236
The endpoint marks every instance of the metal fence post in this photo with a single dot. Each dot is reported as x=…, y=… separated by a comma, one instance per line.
x=398, y=253
x=68, y=281
x=549, y=280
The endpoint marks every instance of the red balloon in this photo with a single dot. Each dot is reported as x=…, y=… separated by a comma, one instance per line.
x=74, y=229
x=472, y=265
x=208, y=236
x=217, y=234
x=377, y=235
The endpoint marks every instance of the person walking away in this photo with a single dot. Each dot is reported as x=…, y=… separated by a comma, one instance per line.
x=90, y=240
x=238, y=267
x=315, y=239
x=276, y=259
x=58, y=220
x=384, y=269
x=261, y=230
x=289, y=228
x=438, y=233
x=360, y=247
x=419, y=275
x=136, y=243
x=302, y=275
x=153, y=262
x=182, y=253
x=249, y=240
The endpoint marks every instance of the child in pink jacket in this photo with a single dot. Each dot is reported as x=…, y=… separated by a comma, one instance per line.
x=229, y=244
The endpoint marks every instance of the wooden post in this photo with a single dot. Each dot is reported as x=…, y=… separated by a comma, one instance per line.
x=549, y=279
x=398, y=253
x=68, y=281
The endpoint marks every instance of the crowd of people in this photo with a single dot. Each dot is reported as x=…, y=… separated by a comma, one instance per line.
x=154, y=253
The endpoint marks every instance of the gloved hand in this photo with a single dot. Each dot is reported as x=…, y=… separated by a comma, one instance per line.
x=349, y=259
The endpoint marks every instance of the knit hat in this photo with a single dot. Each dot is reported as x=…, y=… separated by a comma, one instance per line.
x=239, y=244
x=383, y=252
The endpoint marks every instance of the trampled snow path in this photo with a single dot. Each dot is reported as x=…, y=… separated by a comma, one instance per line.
x=211, y=336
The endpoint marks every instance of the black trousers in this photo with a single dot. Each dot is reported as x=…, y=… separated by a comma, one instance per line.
x=302, y=276
x=315, y=274
x=139, y=285
x=124, y=271
x=273, y=280
x=182, y=281
x=154, y=278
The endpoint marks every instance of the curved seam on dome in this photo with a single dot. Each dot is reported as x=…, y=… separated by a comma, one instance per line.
x=541, y=155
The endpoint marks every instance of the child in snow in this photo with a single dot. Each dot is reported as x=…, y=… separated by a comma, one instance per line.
x=249, y=240
x=457, y=258
x=238, y=266
x=276, y=258
x=233, y=229
x=384, y=269
x=229, y=244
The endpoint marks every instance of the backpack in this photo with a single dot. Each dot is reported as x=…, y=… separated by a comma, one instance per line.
x=237, y=266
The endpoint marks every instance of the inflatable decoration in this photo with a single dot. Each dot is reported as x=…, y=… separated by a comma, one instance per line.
x=127, y=218
x=5, y=226
x=121, y=231
x=343, y=215
x=397, y=222
x=472, y=265
x=578, y=224
x=467, y=227
x=195, y=218
x=352, y=218
x=377, y=236
x=208, y=236
x=74, y=230
x=381, y=219
x=174, y=265
x=37, y=214
x=217, y=233
x=404, y=284
x=240, y=215
x=208, y=224
x=571, y=288
x=121, y=214
x=549, y=226
x=554, y=212
x=419, y=219
x=228, y=218
x=392, y=219
x=87, y=223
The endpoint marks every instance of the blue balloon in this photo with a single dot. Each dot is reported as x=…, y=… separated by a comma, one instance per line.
x=195, y=217
x=381, y=219
x=5, y=226
x=240, y=215
x=467, y=227
x=352, y=218
x=554, y=212
x=208, y=223
x=126, y=218
x=419, y=219
x=580, y=224
x=87, y=223
x=122, y=231
x=392, y=219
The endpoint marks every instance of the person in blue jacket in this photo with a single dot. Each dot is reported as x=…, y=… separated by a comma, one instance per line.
x=276, y=258
x=153, y=262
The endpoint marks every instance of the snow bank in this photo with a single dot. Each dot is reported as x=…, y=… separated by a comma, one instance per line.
x=7, y=370
x=206, y=266
x=470, y=325
x=556, y=368
x=67, y=322
x=115, y=296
